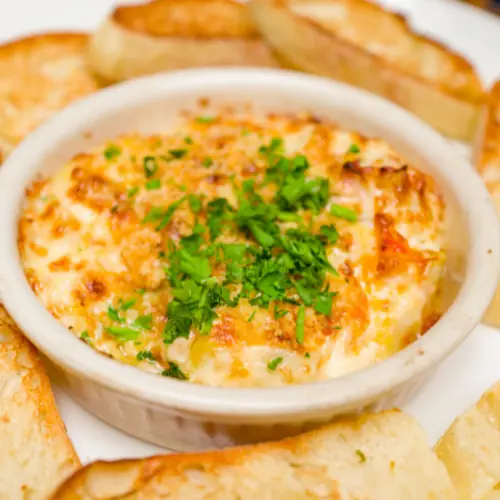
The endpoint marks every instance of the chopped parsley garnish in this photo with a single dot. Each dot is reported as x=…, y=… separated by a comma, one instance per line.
x=343, y=213
x=361, y=456
x=153, y=184
x=353, y=148
x=299, y=329
x=114, y=316
x=331, y=233
x=150, y=166
x=307, y=355
x=145, y=355
x=85, y=337
x=188, y=140
x=178, y=153
x=274, y=363
x=324, y=302
x=112, y=152
x=169, y=213
x=123, y=333
x=195, y=203
x=207, y=162
x=205, y=119
x=174, y=371
x=132, y=192
x=126, y=304
x=143, y=322
x=154, y=214
x=281, y=268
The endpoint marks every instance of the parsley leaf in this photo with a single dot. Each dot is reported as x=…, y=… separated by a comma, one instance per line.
x=324, y=301
x=143, y=322
x=169, y=213
x=126, y=304
x=112, y=152
x=331, y=233
x=205, y=119
x=123, y=333
x=361, y=456
x=132, y=192
x=207, y=162
x=174, y=371
x=154, y=214
x=86, y=338
x=353, y=148
x=196, y=266
x=343, y=213
x=218, y=211
x=153, y=184
x=114, y=316
x=150, y=166
x=178, y=153
x=274, y=363
x=195, y=203
x=145, y=355
x=299, y=328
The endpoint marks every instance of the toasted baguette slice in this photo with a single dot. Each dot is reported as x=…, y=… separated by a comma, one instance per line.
x=167, y=35
x=382, y=456
x=470, y=449
x=358, y=42
x=35, y=451
x=39, y=76
x=486, y=156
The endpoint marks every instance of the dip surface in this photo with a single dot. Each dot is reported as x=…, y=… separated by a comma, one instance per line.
x=239, y=249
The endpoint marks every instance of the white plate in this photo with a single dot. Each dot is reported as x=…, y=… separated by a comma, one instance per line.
x=466, y=374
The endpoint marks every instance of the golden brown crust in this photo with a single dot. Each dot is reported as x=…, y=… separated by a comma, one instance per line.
x=403, y=238
x=39, y=75
x=470, y=449
x=467, y=86
x=343, y=460
x=165, y=35
x=486, y=156
x=418, y=73
x=36, y=452
x=188, y=18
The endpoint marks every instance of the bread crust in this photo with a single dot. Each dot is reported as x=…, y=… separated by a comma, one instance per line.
x=39, y=75
x=393, y=62
x=364, y=457
x=36, y=453
x=486, y=158
x=470, y=449
x=166, y=35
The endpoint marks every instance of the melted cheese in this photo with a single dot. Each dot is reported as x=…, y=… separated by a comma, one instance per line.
x=85, y=249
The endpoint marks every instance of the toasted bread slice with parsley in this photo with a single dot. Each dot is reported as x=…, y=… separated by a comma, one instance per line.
x=165, y=35
x=470, y=448
x=358, y=42
x=487, y=161
x=39, y=75
x=373, y=457
x=35, y=451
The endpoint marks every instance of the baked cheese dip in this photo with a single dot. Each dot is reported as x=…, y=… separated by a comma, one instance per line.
x=239, y=249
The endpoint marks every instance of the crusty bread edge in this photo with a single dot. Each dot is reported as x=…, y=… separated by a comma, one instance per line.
x=451, y=114
x=482, y=146
x=230, y=19
x=116, y=53
x=123, y=477
x=38, y=388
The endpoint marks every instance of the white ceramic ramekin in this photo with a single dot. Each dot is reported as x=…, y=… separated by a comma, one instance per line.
x=181, y=415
